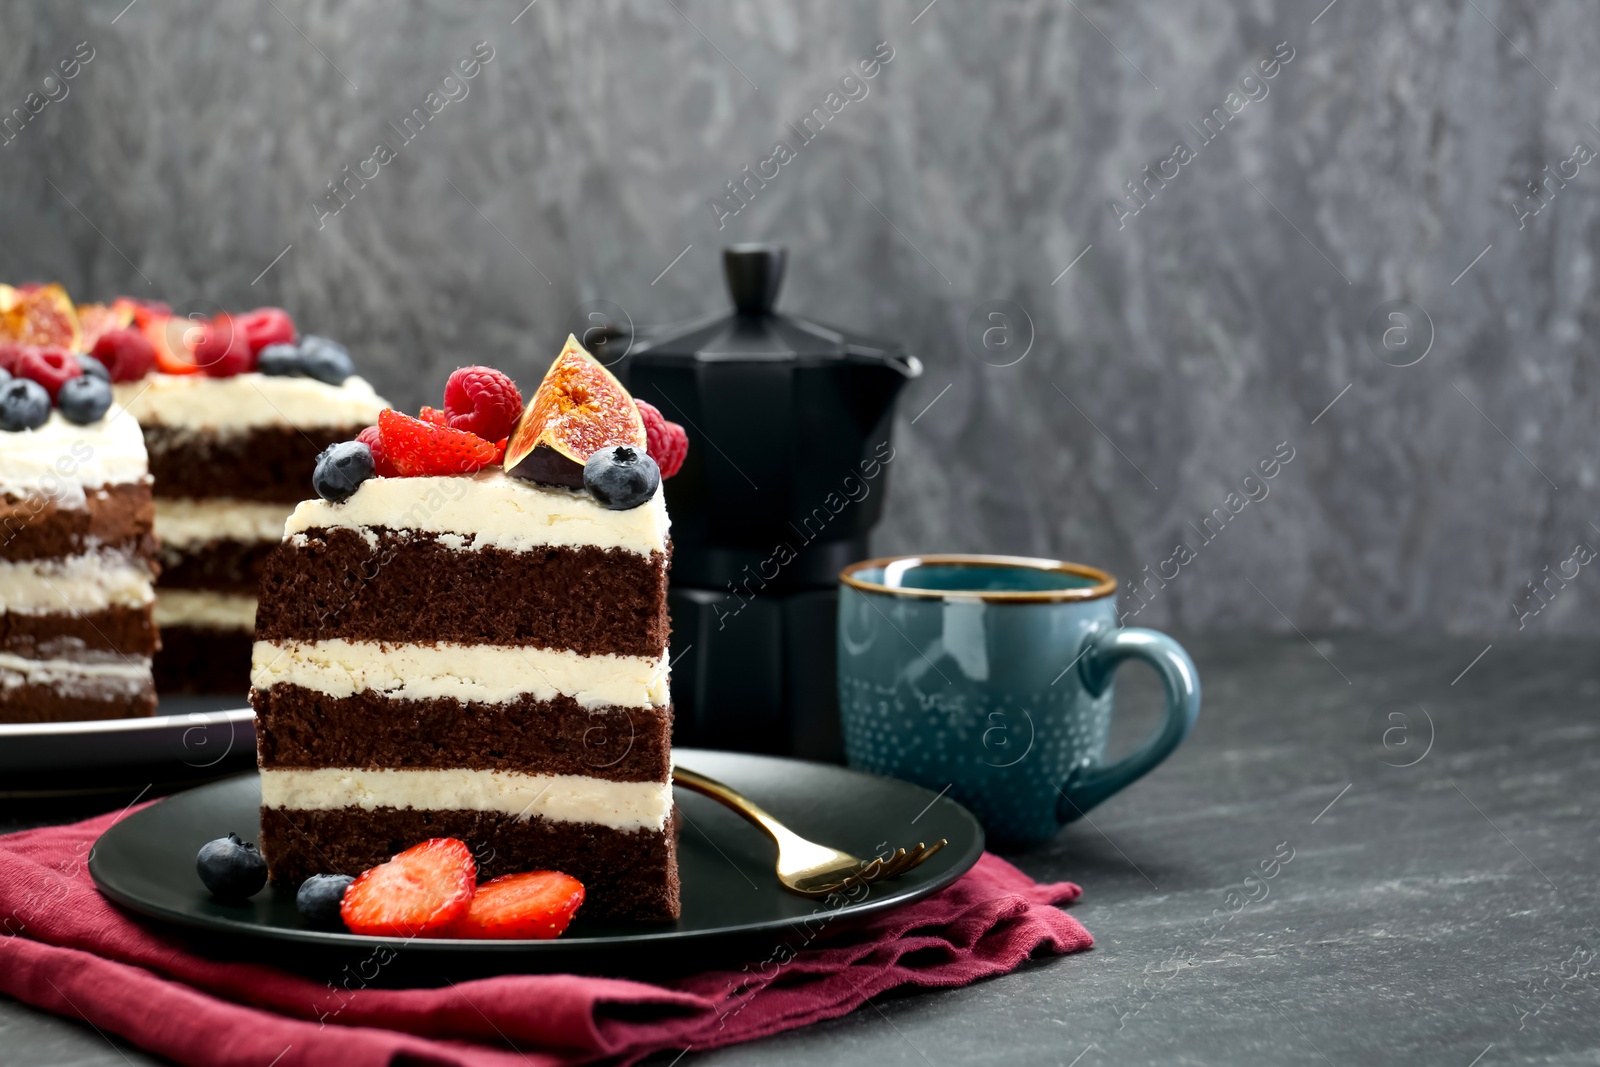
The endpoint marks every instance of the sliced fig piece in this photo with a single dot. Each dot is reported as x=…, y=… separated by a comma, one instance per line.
x=578, y=409
x=42, y=316
x=97, y=320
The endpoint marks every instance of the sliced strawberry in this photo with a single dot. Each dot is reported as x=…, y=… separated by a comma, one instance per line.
x=483, y=401
x=266, y=326
x=668, y=442
x=167, y=336
x=380, y=459
x=422, y=892
x=222, y=349
x=433, y=417
x=50, y=367
x=127, y=354
x=420, y=449
x=532, y=905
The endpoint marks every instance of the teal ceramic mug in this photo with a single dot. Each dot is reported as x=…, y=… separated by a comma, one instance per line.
x=991, y=676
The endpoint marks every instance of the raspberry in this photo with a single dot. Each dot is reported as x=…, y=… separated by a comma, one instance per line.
x=380, y=459
x=418, y=449
x=266, y=326
x=433, y=417
x=50, y=367
x=223, y=351
x=422, y=892
x=483, y=401
x=668, y=442
x=127, y=354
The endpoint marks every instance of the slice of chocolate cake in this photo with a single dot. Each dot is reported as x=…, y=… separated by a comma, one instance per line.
x=469, y=655
x=76, y=634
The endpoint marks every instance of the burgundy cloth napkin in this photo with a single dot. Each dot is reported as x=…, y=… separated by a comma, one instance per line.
x=70, y=951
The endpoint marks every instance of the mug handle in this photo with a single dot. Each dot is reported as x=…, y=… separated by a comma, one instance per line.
x=1088, y=785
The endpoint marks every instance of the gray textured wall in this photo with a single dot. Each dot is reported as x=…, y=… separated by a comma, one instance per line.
x=1180, y=349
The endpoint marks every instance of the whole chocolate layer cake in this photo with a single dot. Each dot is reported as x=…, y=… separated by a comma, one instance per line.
x=476, y=657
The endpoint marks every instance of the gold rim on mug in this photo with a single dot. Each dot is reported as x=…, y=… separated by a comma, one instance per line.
x=1104, y=583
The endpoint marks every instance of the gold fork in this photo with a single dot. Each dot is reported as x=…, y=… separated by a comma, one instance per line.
x=803, y=866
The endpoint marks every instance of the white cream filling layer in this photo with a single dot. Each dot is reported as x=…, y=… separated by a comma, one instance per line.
x=188, y=523
x=60, y=458
x=559, y=797
x=93, y=581
x=490, y=509
x=247, y=401
x=78, y=679
x=205, y=609
x=490, y=674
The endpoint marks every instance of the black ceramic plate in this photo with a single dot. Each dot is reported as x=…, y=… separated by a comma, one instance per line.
x=146, y=862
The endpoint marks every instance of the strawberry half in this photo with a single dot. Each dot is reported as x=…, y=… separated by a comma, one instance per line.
x=418, y=449
x=535, y=905
x=422, y=892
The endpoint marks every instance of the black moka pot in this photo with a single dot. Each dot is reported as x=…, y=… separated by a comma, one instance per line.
x=788, y=466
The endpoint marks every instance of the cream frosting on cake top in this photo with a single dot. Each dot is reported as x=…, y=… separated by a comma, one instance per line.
x=247, y=401
x=490, y=509
x=60, y=458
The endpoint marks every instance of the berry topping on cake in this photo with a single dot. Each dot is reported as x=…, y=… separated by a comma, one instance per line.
x=483, y=401
x=24, y=405
x=420, y=449
x=232, y=869
x=279, y=361
x=266, y=326
x=126, y=353
x=84, y=399
x=325, y=360
x=341, y=469
x=373, y=439
x=93, y=368
x=578, y=409
x=319, y=897
x=434, y=417
x=532, y=905
x=41, y=315
x=621, y=477
x=422, y=892
x=668, y=442
x=222, y=350
x=97, y=320
x=50, y=367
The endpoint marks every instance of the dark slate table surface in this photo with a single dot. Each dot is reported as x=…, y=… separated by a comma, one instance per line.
x=1436, y=904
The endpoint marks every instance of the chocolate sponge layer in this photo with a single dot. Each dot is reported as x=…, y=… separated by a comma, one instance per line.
x=299, y=727
x=263, y=463
x=130, y=631
x=203, y=659
x=29, y=702
x=626, y=874
x=411, y=587
x=116, y=517
x=222, y=566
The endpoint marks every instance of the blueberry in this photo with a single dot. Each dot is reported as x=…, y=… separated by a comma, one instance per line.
x=230, y=868
x=325, y=360
x=280, y=361
x=319, y=898
x=93, y=368
x=24, y=405
x=341, y=469
x=84, y=399
x=621, y=477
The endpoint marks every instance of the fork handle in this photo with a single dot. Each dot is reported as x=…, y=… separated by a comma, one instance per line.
x=727, y=796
